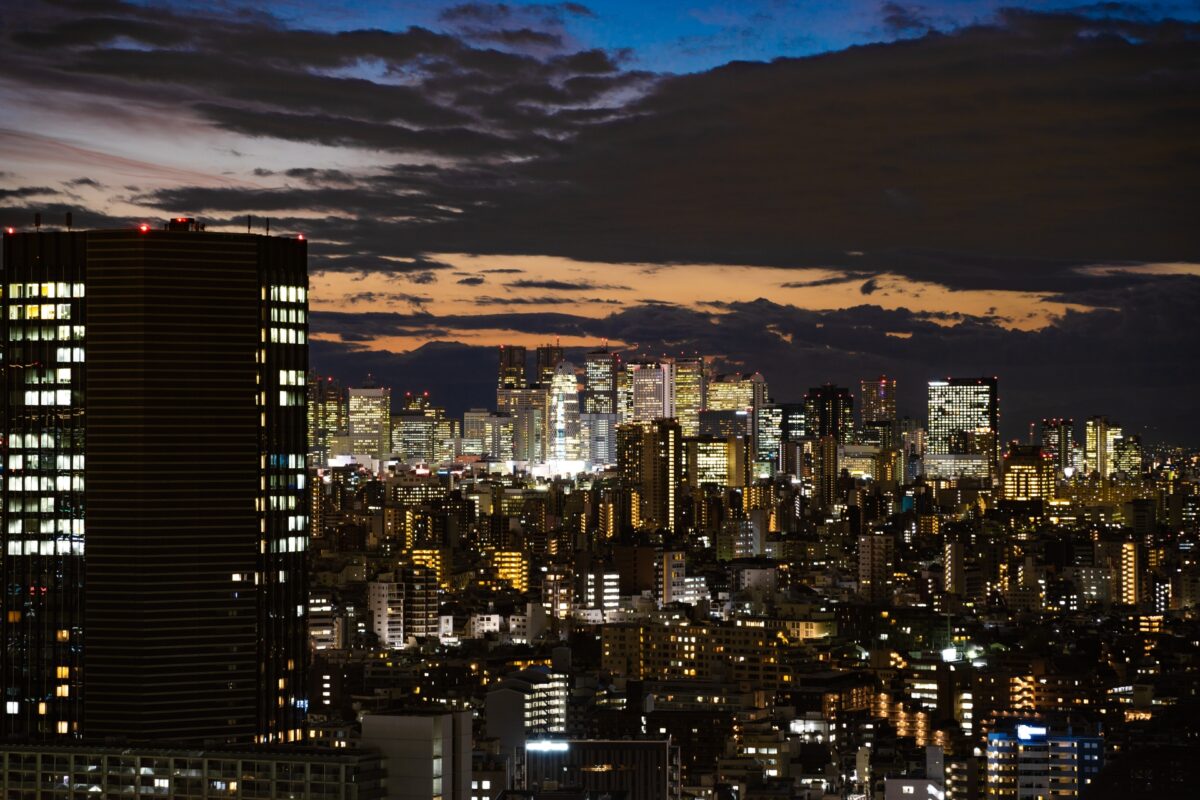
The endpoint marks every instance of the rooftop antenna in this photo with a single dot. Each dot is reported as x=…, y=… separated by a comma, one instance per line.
x=268, y=226
x=37, y=221
x=68, y=220
x=249, y=219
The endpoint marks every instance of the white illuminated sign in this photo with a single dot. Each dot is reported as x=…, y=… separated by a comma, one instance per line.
x=547, y=747
x=1029, y=731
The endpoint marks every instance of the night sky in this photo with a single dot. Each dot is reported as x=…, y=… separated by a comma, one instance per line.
x=820, y=191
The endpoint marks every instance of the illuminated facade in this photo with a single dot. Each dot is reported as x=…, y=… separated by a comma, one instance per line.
x=1100, y=436
x=689, y=394
x=370, y=418
x=1028, y=474
x=600, y=369
x=124, y=444
x=964, y=419
x=326, y=416
x=564, y=414
x=512, y=567
x=737, y=392
x=1032, y=762
x=652, y=389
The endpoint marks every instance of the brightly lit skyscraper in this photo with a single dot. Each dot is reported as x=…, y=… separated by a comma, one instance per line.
x=564, y=414
x=964, y=421
x=600, y=369
x=690, y=392
x=652, y=388
x=370, y=419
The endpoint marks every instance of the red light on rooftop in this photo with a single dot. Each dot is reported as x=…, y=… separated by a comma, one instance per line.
x=300, y=236
x=181, y=219
x=10, y=230
x=144, y=228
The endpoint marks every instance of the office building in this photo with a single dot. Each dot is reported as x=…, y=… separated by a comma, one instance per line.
x=600, y=368
x=690, y=393
x=652, y=390
x=511, y=372
x=370, y=421
x=530, y=412
x=1058, y=442
x=598, y=438
x=829, y=411
x=564, y=414
x=526, y=703
x=427, y=753
x=650, y=463
x=190, y=773
x=964, y=419
x=877, y=397
x=1028, y=474
x=326, y=416
x=547, y=358
x=646, y=769
x=1100, y=436
x=160, y=434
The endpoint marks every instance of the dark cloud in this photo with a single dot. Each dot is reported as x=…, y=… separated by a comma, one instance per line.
x=900, y=19
x=25, y=191
x=833, y=280
x=445, y=93
x=1065, y=369
x=471, y=280
x=487, y=300
x=414, y=300
x=869, y=286
x=561, y=286
x=85, y=182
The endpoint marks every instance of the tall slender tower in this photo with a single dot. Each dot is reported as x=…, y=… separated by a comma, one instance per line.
x=155, y=512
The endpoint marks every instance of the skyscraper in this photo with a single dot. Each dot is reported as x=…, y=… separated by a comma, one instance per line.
x=736, y=392
x=326, y=416
x=1100, y=435
x=600, y=369
x=549, y=356
x=511, y=373
x=829, y=411
x=653, y=390
x=564, y=414
x=370, y=417
x=1058, y=441
x=154, y=425
x=878, y=398
x=964, y=420
x=690, y=392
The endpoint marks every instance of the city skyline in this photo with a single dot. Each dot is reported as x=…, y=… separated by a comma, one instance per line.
x=475, y=174
x=599, y=400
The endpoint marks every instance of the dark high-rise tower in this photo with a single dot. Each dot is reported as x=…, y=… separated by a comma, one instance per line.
x=829, y=411
x=155, y=512
x=549, y=356
x=511, y=374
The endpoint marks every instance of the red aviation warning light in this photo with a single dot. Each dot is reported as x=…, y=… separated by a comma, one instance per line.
x=144, y=228
x=300, y=236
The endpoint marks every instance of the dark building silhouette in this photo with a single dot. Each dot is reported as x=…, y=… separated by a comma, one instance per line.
x=155, y=500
